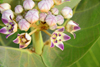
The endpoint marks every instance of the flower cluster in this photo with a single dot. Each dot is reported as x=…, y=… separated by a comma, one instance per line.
x=49, y=17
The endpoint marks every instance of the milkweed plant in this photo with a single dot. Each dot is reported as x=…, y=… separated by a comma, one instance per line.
x=41, y=16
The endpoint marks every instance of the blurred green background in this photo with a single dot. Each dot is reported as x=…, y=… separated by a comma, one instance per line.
x=84, y=51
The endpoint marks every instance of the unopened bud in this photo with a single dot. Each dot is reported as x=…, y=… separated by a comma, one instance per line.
x=60, y=19
x=67, y=12
x=32, y=16
x=18, y=18
x=51, y=20
x=42, y=17
x=24, y=25
x=28, y=4
x=55, y=11
x=4, y=6
x=18, y=9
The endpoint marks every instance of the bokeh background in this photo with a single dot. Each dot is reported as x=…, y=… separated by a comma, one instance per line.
x=84, y=51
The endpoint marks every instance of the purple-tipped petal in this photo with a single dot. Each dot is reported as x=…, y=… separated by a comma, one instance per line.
x=16, y=41
x=74, y=35
x=61, y=29
x=9, y=35
x=21, y=46
x=65, y=37
x=77, y=28
x=52, y=44
x=4, y=30
x=5, y=21
x=61, y=46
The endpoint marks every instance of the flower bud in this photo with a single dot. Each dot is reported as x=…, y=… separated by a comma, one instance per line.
x=28, y=4
x=53, y=27
x=4, y=6
x=18, y=9
x=42, y=17
x=60, y=19
x=67, y=12
x=18, y=18
x=44, y=6
x=24, y=25
x=6, y=15
x=49, y=13
x=72, y=27
x=59, y=2
x=55, y=11
x=32, y=16
x=51, y=2
x=51, y=20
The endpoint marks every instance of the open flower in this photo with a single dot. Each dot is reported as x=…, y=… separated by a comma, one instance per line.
x=72, y=27
x=4, y=6
x=58, y=37
x=23, y=40
x=6, y=14
x=10, y=28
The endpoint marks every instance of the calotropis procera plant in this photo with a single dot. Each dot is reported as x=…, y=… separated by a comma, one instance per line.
x=39, y=16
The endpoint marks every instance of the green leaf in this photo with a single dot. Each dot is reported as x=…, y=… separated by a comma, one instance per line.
x=71, y=4
x=92, y=58
x=12, y=57
x=87, y=16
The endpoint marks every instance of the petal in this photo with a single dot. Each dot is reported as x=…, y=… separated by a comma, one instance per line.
x=60, y=45
x=16, y=40
x=74, y=35
x=65, y=37
x=9, y=35
x=27, y=36
x=76, y=28
x=61, y=29
x=4, y=30
x=21, y=46
x=52, y=44
x=15, y=27
x=27, y=43
x=5, y=21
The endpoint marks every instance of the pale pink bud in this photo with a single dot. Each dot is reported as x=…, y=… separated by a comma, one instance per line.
x=51, y=2
x=44, y=6
x=67, y=12
x=4, y=6
x=49, y=13
x=24, y=25
x=18, y=9
x=6, y=15
x=53, y=27
x=51, y=20
x=28, y=4
x=32, y=16
x=60, y=19
x=18, y=18
x=42, y=16
x=55, y=11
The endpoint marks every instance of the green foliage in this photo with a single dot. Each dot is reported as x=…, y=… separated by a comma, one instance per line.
x=87, y=16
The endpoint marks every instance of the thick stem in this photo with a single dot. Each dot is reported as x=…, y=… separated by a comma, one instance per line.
x=38, y=42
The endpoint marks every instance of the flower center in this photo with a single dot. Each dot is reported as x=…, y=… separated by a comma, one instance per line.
x=10, y=27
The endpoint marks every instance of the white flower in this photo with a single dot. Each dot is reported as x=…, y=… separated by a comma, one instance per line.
x=72, y=27
x=28, y=4
x=58, y=37
x=6, y=15
x=18, y=18
x=18, y=9
x=23, y=40
x=67, y=12
x=32, y=16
